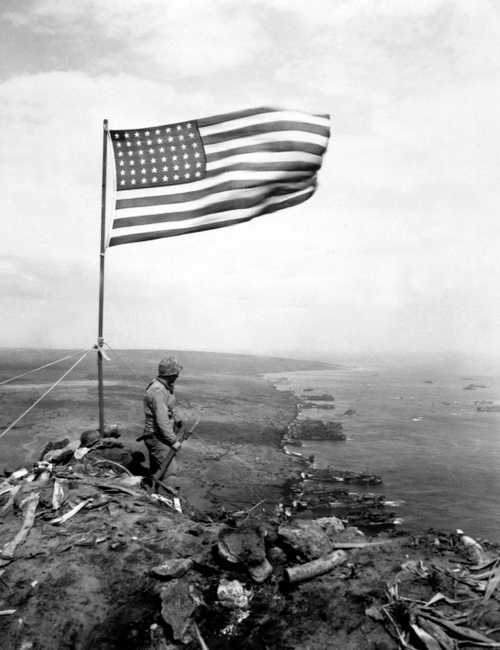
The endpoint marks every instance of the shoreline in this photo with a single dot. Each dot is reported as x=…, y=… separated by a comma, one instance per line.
x=391, y=429
x=111, y=561
x=317, y=491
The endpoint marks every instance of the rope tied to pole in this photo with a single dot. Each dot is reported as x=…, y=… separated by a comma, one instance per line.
x=141, y=378
x=37, y=401
x=46, y=365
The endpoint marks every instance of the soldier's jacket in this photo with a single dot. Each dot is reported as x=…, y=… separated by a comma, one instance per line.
x=159, y=409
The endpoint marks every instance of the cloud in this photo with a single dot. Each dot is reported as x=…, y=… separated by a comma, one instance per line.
x=52, y=152
x=398, y=243
x=176, y=38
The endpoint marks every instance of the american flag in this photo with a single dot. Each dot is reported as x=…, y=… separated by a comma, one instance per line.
x=218, y=171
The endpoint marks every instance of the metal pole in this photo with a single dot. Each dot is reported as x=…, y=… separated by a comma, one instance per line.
x=100, y=339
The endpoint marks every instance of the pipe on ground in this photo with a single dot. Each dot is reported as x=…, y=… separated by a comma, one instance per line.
x=316, y=567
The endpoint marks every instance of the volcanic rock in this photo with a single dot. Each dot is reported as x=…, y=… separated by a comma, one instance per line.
x=232, y=594
x=179, y=601
x=174, y=568
x=311, y=538
x=244, y=545
x=260, y=572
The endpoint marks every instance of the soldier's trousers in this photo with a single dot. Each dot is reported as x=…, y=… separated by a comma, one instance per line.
x=157, y=453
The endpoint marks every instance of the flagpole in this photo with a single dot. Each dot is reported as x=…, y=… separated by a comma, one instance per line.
x=100, y=339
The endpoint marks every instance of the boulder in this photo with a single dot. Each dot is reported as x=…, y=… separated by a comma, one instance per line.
x=178, y=604
x=232, y=594
x=311, y=538
x=277, y=555
x=244, y=545
x=260, y=572
x=174, y=568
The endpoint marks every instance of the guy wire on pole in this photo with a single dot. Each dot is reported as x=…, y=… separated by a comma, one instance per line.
x=37, y=401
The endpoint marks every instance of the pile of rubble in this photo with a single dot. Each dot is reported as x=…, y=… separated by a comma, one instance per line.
x=89, y=553
x=72, y=501
x=447, y=602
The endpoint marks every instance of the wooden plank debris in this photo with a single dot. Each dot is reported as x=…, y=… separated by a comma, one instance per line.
x=9, y=548
x=71, y=513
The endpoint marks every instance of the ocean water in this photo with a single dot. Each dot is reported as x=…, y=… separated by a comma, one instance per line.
x=435, y=452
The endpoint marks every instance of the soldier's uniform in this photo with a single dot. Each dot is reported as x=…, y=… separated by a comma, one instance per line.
x=161, y=424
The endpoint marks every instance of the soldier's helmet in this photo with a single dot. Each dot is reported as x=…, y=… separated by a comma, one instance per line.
x=169, y=367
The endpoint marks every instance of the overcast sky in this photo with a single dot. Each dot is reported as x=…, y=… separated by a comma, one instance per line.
x=397, y=251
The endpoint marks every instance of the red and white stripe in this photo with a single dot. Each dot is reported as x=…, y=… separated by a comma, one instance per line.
x=257, y=161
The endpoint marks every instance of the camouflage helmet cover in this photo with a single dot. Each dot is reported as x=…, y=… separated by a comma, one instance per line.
x=168, y=367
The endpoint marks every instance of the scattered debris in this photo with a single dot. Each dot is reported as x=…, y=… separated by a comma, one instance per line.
x=29, y=505
x=474, y=550
x=321, y=492
x=71, y=513
x=173, y=503
x=58, y=495
x=18, y=475
x=443, y=591
x=454, y=615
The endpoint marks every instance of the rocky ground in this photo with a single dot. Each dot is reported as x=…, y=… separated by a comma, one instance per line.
x=128, y=570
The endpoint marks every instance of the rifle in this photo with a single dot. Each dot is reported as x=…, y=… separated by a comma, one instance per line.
x=160, y=474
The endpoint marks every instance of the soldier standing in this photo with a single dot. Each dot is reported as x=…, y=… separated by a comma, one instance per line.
x=161, y=425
